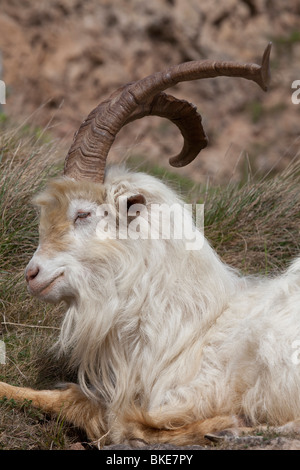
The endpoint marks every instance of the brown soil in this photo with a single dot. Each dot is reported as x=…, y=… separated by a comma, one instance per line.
x=63, y=57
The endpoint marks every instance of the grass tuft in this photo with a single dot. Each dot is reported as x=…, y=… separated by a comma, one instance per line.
x=253, y=226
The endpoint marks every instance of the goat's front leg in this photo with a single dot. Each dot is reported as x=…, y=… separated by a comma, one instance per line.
x=69, y=403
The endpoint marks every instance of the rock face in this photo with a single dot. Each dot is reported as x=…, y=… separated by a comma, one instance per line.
x=61, y=58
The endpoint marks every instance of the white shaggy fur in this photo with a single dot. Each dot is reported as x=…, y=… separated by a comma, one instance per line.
x=152, y=324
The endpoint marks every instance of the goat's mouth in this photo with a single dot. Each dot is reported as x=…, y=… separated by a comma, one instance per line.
x=43, y=289
x=49, y=286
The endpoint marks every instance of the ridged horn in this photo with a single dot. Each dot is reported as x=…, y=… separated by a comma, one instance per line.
x=87, y=156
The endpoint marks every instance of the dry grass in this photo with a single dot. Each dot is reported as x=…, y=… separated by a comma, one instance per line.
x=26, y=326
x=254, y=227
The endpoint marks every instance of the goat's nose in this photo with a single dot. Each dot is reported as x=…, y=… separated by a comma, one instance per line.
x=31, y=273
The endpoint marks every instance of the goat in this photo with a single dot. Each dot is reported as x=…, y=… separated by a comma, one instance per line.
x=170, y=344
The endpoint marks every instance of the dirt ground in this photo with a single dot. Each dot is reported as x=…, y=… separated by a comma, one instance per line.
x=61, y=58
x=233, y=443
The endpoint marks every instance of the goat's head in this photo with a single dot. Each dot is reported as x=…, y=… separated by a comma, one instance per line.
x=69, y=207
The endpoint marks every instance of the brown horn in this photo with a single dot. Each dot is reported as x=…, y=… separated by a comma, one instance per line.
x=185, y=116
x=87, y=156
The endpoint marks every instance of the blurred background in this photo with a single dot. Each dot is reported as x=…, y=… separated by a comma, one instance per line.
x=61, y=58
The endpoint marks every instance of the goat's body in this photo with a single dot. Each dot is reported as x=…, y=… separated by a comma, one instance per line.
x=212, y=346
x=168, y=339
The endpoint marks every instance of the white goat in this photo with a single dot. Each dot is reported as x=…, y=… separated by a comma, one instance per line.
x=170, y=344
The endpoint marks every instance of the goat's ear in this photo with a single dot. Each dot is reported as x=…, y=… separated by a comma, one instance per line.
x=136, y=199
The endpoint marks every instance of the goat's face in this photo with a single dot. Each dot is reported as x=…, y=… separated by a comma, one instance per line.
x=76, y=248
x=68, y=220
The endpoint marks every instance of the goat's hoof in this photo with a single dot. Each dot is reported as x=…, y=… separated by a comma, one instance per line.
x=214, y=437
x=136, y=443
x=224, y=435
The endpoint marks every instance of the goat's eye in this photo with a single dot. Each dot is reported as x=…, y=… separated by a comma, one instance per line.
x=82, y=215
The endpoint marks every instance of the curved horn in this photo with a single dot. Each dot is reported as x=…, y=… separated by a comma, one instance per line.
x=185, y=116
x=87, y=156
